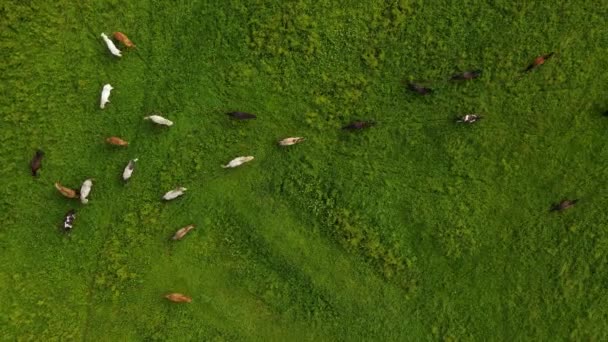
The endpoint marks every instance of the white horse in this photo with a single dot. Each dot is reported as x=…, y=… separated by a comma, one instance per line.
x=238, y=161
x=105, y=95
x=113, y=49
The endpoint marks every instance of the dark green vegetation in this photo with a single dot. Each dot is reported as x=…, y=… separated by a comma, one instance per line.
x=415, y=229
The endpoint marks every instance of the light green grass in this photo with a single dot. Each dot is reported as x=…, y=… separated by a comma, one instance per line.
x=417, y=229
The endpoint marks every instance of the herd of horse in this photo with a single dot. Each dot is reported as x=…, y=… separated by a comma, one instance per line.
x=85, y=189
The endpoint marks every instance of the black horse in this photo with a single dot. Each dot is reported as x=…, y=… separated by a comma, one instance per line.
x=358, y=125
x=241, y=116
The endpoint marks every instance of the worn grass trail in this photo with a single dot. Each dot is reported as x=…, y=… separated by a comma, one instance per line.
x=417, y=229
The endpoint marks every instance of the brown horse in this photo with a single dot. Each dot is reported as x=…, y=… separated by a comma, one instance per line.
x=67, y=192
x=178, y=298
x=36, y=162
x=117, y=141
x=538, y=61
x=563, y=205
x=121, y=37
x=358, y=125
x=419, y=89
x=467, y=75
x=182, y=232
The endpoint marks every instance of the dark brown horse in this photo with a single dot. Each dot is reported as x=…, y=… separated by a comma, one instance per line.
x=358, y=125
x=36, y=162
x=467, y=75
x=241, y=116
x=563, y=205
x=419, y=89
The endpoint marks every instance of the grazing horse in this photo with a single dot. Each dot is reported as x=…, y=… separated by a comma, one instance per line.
x=538, y=61
x=113, y=49
x=467, y=75
x=68, y=220
x=85, y=190
x=128, y=171
x=175, y=193
x=159, y=120
x=358, y=125
x=105, y=96
x=117, y=141
x=182, y=232
x=241, y=115
x=291, y=141
x=36, y=162
x=563, y=205
x=178, y=298
x=67, y=192
x=419, y=89
x=121, y=37
x=238, y=161
x=469, y=118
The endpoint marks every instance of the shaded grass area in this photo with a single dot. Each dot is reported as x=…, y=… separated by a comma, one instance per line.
x=415, y=229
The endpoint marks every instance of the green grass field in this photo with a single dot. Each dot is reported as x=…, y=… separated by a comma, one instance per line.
x=416, y=229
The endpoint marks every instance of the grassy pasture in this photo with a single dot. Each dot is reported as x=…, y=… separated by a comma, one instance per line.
x=416, y=229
